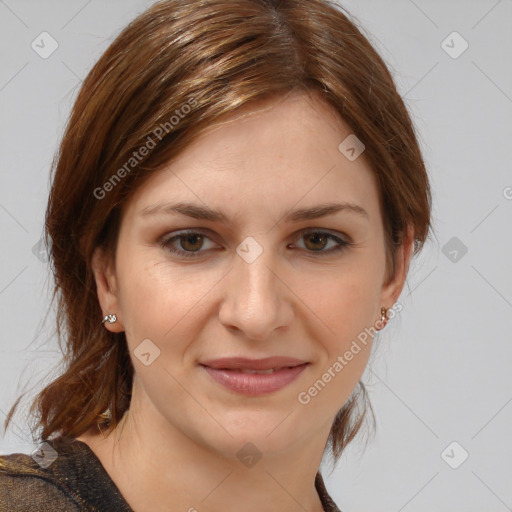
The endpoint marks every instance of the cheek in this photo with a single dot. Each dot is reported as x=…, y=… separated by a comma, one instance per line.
x=158, y=301
x=346, y=309
x=343, y=301
x=345, y=304
x=333, y=387
x=165, y=303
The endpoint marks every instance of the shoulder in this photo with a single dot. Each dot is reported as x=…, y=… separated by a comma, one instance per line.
x=39, y=482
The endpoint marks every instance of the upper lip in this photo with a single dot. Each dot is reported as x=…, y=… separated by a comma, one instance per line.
x=267, y=363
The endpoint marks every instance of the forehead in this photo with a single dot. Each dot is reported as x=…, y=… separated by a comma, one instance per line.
x=277, y=152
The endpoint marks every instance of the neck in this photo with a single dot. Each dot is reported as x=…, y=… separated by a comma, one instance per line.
x=157, y=467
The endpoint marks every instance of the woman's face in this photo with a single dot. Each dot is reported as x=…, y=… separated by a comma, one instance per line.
x=256, y=284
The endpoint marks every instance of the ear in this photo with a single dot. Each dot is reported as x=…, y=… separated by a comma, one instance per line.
x=393, y=288
x=106, y=285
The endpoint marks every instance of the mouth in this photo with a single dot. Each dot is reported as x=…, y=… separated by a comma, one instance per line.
x=244, y=363
x=260, y=372
x=254, y=377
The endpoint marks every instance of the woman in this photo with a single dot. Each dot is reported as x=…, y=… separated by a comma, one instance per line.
x=233, y=211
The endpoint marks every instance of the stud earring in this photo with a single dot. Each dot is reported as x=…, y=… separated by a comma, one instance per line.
x=110, y=318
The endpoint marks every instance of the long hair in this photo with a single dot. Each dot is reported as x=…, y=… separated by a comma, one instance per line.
x=173, y=72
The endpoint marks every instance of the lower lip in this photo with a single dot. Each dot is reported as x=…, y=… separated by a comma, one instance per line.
x=253, y=384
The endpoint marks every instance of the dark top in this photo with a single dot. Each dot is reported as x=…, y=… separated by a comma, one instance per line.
x=74, y=481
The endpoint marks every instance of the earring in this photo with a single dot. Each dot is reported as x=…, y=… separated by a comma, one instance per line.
x=110, y=318
x=383, y=318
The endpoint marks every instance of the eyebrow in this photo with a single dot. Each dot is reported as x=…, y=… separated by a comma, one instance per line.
x=206, y=213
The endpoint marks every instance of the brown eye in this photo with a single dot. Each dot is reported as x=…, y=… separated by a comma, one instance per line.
x=191, y=242
x=188, y=244
x=323, y=243
x=316, y=241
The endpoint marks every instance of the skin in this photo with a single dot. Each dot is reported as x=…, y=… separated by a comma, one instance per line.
x=175, y=448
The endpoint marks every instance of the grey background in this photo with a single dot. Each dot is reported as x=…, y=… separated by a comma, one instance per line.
x=442, y=369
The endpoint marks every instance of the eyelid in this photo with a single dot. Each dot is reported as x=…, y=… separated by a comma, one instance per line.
x=342, y=240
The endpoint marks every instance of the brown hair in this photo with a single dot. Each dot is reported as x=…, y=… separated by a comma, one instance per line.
x=172, y=73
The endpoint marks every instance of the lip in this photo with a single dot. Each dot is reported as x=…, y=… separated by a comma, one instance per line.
x=227, y=372
x=233, y=363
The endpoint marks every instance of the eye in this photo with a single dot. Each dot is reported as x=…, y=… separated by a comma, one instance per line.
x=190, y=243
x=316, y=241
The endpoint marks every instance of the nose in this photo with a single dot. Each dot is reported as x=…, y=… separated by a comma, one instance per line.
x=256, y=299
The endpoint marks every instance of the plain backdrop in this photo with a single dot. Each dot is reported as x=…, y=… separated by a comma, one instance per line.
x=440, y=382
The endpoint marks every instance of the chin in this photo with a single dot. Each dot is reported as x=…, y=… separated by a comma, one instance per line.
x=257, y=431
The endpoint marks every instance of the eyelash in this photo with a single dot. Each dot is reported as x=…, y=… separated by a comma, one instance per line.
x=166, y=243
